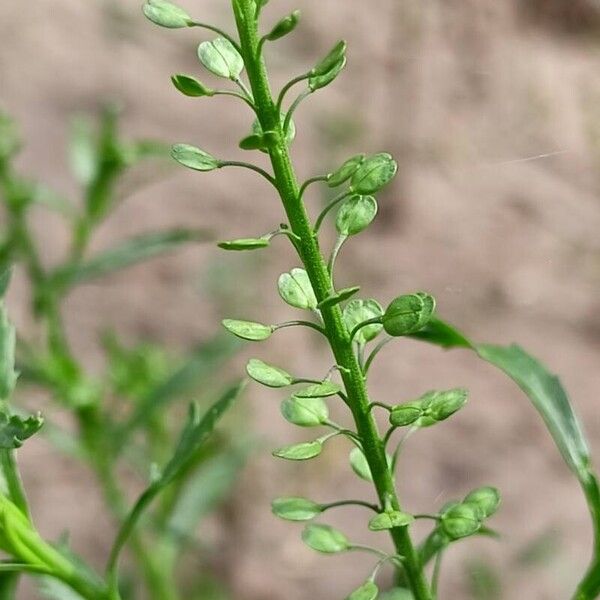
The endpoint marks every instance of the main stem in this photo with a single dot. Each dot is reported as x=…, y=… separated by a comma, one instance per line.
x=316, y=267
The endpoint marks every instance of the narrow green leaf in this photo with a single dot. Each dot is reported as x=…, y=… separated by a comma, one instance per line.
x=244, y=244
x=339, y=297
x=325, y=539
x=442, y=334
x=248, y=330
x=303, y=451
x=130, y=252
x=268, y=374
x=305, y=412
x=194, y=158
x=221, y=58
x=367, y=591
x=296, y=509
x=190, y=86
x=374, y=173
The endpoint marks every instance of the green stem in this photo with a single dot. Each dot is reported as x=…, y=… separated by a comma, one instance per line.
x=316, y=267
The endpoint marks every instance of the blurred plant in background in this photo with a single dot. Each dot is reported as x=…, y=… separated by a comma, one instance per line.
x=122, y=416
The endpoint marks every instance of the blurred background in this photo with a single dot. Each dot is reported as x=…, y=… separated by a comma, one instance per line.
x=492, y=109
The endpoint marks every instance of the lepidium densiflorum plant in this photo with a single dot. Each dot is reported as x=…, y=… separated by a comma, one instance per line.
x=355, y=329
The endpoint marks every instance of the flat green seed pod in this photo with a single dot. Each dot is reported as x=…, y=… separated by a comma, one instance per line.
x=374, y=173
x=325, y=539
x=460, y=521
x=319, y=390
x=285, y=26
x=221, y=58
x=267, y=374
x=243, y=244
x=346, y=171
x=408, y=313
x=290, y=134
x=444, y=404
x=405, y=414
x=248, y=330
x=389, y=520
x=304, y=412
x=367, y=591
x=355, y=215
x=194, y=158
x=316, y=82
x=190, y=86
x=358, y=311
x=295, y=289
x=485, y=499
x=359, y=464
x=334, y=56
x=304, y=451
x=166, y=14
x=295, y=509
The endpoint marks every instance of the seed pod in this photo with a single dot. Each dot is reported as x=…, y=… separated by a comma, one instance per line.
x=485, y=500
x=335, y=55
x=338, y=297
x=359, y=311
x=374, y=173
x=389, y=520
x=406, y=414
x=319, y=390
x=194, y=158
x=190, y=86
x=356, y=214
x=221, y=58
x=304, y=451
x=316, y=82
x=325, y=539
x=346, y=171
x=248, y=330
x=304, y=412
x=367, y=591
x=444, y=404
x=295, y=509
x=295, y=289
x=359, y=464
x=244, y=244
x=285, y=26
x=407, y=314
x=290, y=134
x=166, y=14
x=459, y=521
x=268, y=374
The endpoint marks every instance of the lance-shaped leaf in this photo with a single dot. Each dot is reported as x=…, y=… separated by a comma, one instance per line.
x=408, y=313
x=190, y=86
x=359, y=311
x=356, y=214
x=244, y=244
x=268, y=374
x=305, y=412
x=338, y=297
x=303, y=451
x=367, y=591
x=442, y=334
x=194, y=435
x=325, y=539
x=221, y=57
x=194, y=158
x=295, y=289
x=374, y=173
x=347, y=170
x=296, y=509
x=130, y=252
x=248, y=330
x=14, y=430
x=285, y=26
x=166, y=14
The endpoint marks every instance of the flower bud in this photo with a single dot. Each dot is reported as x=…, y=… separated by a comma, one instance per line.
x=405, y=414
